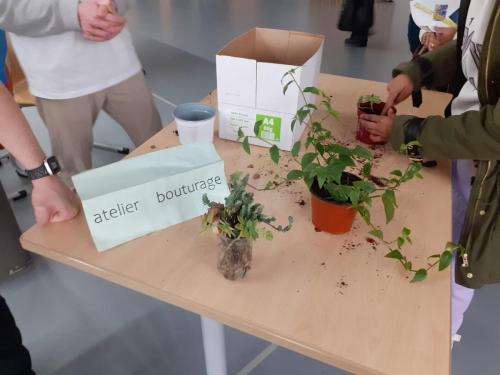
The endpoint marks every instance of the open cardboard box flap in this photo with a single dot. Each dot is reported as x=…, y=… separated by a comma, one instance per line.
x=274, y=46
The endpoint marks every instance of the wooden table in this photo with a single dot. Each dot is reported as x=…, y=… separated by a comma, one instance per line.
x=332, y=298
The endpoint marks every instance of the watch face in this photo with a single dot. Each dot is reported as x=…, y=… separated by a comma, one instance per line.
x=54, y=165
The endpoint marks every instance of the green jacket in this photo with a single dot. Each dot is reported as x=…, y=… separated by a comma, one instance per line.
x=471, y=135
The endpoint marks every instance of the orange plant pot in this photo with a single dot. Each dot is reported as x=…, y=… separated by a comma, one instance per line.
x=330, y=216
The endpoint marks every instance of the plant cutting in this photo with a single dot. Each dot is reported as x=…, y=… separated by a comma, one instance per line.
x=372, y=105
x=340, y=177
x=238, y=222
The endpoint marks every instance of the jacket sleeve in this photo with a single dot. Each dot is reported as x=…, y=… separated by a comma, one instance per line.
x=39, y=17
x=473, y=135
x=433, y=69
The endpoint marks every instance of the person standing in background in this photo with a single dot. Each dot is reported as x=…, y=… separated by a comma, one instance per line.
x=52, y=201
x=357, y=17
x=470, y=136
x=73, y=79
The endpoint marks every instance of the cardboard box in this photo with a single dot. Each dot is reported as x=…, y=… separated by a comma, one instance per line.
x=249, y=87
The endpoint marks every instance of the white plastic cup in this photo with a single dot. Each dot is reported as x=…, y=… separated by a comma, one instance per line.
x=195, y=122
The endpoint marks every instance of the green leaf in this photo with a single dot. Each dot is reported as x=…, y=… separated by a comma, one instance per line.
x=406, y=232
x=321, y=181
x=285, y=88
x=308, y=159
x=367, y=169
x=296, y=149
x=397, y=173
x=365, y=214
x=389, y=201
x=275, y=154
x=295, y=175
x=293, y=123
x=246, y=145
x=339, y=149
x=394, y=254
x=256, y=127
x=377, y=233
x=420, y=275
x=408, y=265
x=205, y=199
x=354, y=197
x=240, y=134
x=312, y=90
x=401, y=242
x=362, y=152
x=445, y=260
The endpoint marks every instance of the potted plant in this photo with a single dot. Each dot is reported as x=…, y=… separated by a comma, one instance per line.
x=238, y=222
x=372, y=105
x=340, y=177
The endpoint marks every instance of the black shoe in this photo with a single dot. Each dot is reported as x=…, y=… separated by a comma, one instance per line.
x=357, y=40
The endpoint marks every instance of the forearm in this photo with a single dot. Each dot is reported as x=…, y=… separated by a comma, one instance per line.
x=471, y=135
x=39, y=17
x=16, y=135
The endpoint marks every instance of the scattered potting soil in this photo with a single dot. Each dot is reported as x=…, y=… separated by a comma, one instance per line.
x=256, y=176
x=152, y=147
x=372, y=242
x=250, y=166
x=176, y=132
x=301, y=202
x=323, y=264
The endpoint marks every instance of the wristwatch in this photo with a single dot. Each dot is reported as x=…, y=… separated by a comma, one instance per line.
x=411, y=132
x=49, y=167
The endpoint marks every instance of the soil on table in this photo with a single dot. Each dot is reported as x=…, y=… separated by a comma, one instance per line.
x=235, y=258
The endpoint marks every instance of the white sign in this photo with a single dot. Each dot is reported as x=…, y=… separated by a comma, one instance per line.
x=128, y=199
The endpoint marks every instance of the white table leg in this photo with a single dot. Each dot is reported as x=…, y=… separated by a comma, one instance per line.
x=214, y=345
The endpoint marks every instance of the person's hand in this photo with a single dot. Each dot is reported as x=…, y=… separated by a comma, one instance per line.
x=379, y=127
x=53, y=201
x=400, y=88
x=430, y=40
x=99, y=20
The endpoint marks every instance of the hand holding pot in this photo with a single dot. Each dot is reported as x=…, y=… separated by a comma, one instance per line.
x=379, y=127
x=400, y=88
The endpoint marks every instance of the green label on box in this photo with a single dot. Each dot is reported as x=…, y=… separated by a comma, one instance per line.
x=270, y=129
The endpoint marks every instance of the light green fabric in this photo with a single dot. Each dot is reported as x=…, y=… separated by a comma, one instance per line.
x=128, y=199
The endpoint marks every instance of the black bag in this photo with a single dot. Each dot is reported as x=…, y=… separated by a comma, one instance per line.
x=356, y=15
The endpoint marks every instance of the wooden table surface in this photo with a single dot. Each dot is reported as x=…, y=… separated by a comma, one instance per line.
x=332, y=298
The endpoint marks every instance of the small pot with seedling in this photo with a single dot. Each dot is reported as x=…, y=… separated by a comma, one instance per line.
x=371, y=105
x=238, y=223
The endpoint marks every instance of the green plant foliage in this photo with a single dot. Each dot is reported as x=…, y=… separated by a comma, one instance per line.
x=324, y=161
x=240, y=217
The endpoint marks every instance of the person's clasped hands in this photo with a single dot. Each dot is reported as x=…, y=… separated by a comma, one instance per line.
x=100, y=20
x=380, y=126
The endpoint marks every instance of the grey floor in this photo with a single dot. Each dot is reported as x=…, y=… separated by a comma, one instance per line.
x=75, y=324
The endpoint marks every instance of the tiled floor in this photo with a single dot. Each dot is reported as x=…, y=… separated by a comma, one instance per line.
x=76, y=324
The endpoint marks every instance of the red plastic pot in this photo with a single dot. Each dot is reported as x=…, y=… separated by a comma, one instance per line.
x=366, y=108
x=330, y=216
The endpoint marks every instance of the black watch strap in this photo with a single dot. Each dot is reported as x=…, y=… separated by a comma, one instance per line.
x=412, y=130
x=49, y=167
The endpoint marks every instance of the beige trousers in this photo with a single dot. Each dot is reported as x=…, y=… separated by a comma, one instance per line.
x=70, y=121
